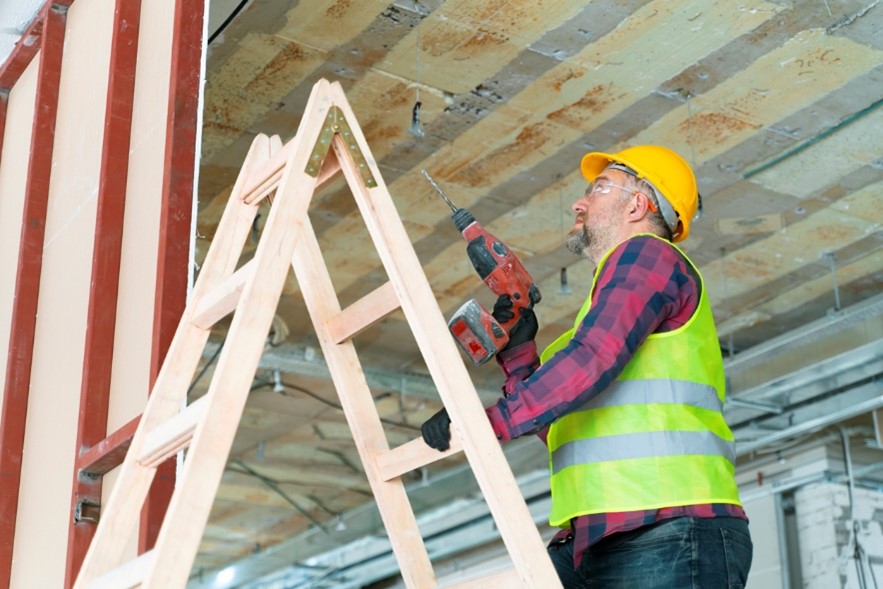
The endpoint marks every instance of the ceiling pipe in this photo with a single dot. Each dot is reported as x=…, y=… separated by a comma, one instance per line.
x=873, y=388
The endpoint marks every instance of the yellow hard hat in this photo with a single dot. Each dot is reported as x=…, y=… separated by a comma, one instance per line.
x=668, y=172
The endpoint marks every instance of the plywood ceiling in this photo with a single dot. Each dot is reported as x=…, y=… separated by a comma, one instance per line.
x=775, y=103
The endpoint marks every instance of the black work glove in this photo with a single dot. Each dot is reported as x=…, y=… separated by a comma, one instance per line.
x=437, y=431
x=524, y=330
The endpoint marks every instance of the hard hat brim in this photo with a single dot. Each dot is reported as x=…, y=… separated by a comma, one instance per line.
x=594, y=163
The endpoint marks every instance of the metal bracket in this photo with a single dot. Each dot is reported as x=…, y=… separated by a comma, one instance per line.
x=87, y=511
x=335, y=122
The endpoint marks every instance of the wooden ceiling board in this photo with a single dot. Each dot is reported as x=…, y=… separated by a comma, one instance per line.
x=248, y=86
x=833, y=157
x=392, y=100
x=468, y=162
x=866, y=203
x=308, y=22
x=810, y=290
x=468, y=34
x=790, y=78
x=653, y=39
x=786, y=250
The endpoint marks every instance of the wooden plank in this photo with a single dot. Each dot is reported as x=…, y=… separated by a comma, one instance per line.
x=411, y=456
x=363, y=313
x=169, y=437
x=222, y=299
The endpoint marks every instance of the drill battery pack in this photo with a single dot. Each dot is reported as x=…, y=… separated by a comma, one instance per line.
x=479, y=335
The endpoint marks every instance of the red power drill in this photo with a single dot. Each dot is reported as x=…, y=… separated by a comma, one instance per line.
x=475, y=329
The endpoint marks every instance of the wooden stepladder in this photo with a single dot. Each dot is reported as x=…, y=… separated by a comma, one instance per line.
x=327, y=141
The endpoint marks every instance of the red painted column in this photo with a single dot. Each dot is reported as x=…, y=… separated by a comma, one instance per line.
x=175, y=224
x=104, y=284
x=27, y=279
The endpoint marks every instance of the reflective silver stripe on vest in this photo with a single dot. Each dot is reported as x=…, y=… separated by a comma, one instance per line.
x=641, y=445
x=642, y=392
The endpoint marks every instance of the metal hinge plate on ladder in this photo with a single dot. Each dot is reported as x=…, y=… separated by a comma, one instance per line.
x=335, y=122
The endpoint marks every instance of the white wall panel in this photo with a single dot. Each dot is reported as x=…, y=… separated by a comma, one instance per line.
x=13, y=175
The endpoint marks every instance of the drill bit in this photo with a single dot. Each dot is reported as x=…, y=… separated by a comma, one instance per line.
x=439, y=190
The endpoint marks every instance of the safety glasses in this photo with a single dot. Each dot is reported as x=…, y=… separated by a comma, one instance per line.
x=599, y=187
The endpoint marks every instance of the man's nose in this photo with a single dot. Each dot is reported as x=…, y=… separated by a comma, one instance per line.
x=579, y=206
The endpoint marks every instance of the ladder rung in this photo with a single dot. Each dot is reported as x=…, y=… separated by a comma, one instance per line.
x=267, y=177
x=171, y=435
x=363, y=313
x=410, y=456
x=127, y=575
x=222, y=299
x=507, y=579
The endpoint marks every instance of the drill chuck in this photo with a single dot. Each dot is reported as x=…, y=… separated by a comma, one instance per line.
x=462, y=219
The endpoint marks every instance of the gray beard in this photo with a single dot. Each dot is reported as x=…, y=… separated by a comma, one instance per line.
x=579, y=241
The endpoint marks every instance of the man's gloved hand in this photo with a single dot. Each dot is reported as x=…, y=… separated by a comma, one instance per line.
x=523, y=331
x=437, y=431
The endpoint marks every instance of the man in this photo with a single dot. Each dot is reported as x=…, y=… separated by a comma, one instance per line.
x=629, y=401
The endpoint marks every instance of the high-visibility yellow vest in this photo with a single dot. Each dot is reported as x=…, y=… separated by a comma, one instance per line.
x=656, y=437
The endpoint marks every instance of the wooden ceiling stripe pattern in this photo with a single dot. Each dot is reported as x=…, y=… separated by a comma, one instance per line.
x=804, y=242
x=468, y=168
x=807, y=67
x=475, y=34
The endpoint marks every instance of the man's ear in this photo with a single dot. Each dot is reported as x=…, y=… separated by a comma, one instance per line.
x=639, y=207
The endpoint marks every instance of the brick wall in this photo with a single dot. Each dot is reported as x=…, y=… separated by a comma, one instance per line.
x=824, y=527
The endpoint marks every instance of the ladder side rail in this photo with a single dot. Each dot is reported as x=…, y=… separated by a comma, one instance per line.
x=191, y=502
x=457, y=391
x=361, y=413
x=122, y=511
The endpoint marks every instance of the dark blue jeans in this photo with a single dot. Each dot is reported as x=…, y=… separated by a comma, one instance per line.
x=680, y=553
